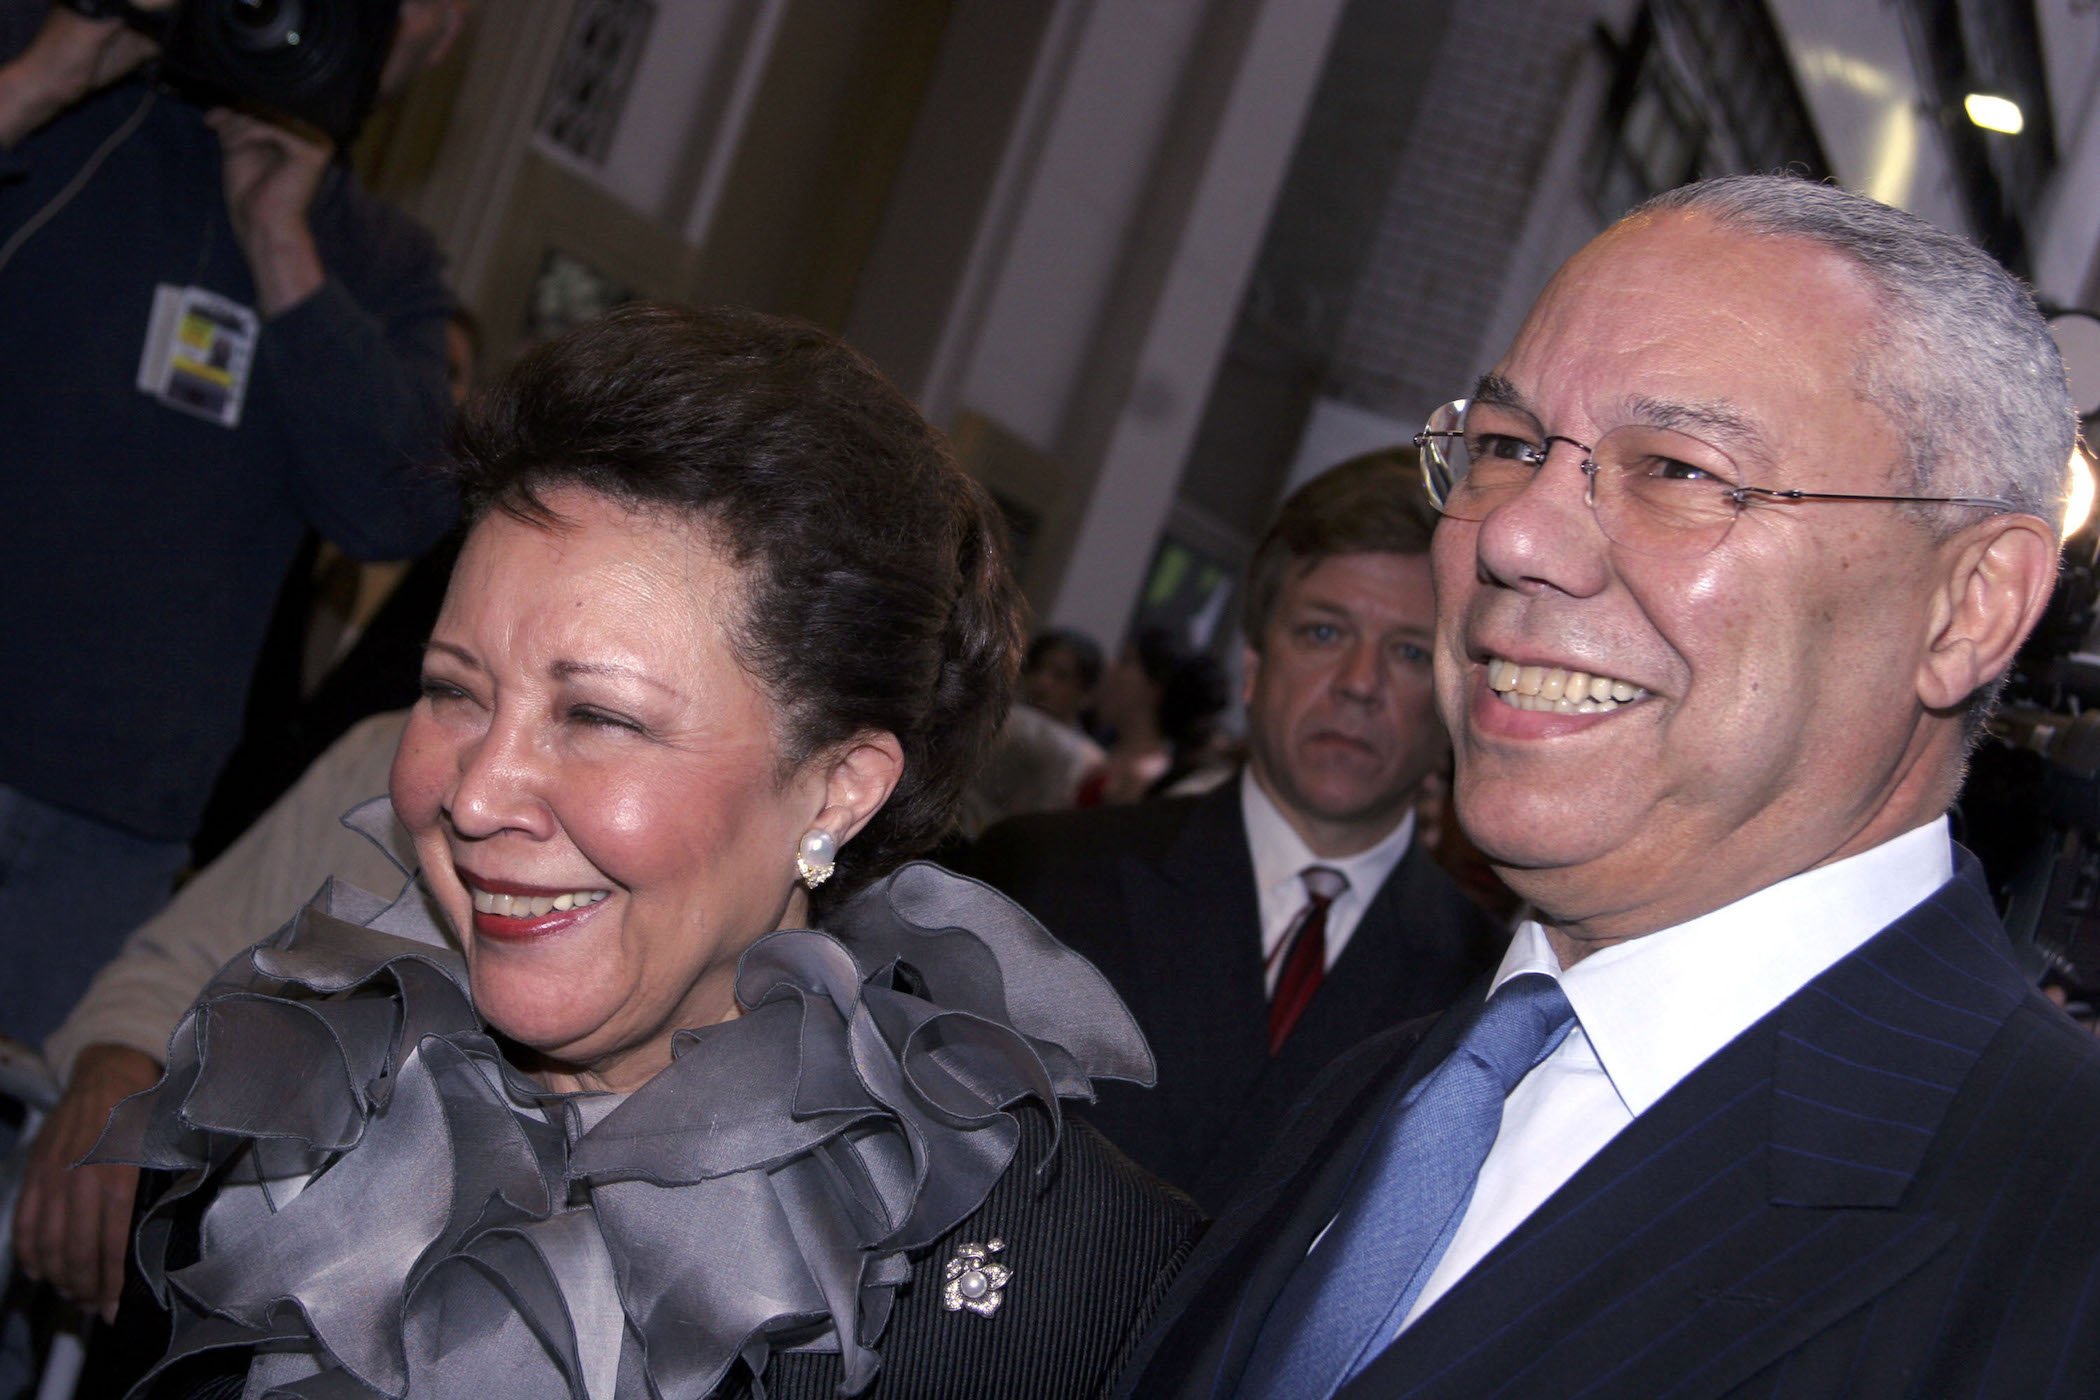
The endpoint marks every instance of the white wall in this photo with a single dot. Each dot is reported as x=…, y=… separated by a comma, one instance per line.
x=1083, y=193
x=1234, y=169
x=671, y=84
x=699, y=58
x=1854, y=66
x=2065, y=268
x=1334, y=432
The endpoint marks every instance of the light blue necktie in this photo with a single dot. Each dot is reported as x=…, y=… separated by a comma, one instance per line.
x=1347, y=1300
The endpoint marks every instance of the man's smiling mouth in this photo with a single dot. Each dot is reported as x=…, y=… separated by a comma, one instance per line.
x=1559, y=690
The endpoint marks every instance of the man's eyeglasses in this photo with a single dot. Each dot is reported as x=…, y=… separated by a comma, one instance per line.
x=1653, y=490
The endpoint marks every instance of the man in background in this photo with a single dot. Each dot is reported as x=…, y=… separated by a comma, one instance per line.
x=1261, y=929
x=72, y=1223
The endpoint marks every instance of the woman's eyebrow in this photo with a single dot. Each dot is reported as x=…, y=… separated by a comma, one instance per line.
x=456, y=652
x=608, y=670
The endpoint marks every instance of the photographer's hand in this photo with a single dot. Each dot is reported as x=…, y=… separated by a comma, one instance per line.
x=70, y=57
x=272, y=174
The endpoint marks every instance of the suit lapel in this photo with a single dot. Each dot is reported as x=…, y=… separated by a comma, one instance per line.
x=1895, y=1028
x=1752, y=1206
x=1198, y=940
x=1224, y=1295
x=1661, y=1268
x=1396, y=967
x=1418, y=942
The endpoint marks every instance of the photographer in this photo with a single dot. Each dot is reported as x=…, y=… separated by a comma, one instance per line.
x=214, y=341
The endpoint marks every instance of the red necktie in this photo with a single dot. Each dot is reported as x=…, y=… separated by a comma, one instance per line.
x=1304, y=953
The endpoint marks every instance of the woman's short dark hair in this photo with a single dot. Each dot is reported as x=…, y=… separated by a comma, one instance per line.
x=878, y=592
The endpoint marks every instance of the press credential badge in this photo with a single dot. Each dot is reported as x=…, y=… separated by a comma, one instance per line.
x=199, y=349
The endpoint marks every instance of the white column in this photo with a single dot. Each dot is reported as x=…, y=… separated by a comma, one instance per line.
x=2066, y=269
x=1236, y=179
x=1086, y=163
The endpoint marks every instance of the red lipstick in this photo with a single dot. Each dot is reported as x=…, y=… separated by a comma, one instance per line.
x=522, y=928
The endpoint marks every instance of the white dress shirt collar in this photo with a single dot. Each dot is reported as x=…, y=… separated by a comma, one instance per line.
x=1280, y=854
x=1654, y=1008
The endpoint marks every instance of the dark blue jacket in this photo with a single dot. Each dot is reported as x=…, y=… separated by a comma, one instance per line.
x=1889, y=1188
x=146, y=547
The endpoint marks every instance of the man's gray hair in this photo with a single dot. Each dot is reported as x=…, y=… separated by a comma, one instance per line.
x=1962, y=363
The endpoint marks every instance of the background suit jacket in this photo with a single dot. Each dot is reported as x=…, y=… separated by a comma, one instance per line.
x=1890, y=1186
x=1160, y=896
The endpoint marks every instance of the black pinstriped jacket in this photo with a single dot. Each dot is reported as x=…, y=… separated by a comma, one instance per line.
x=1888, y=1187
x=1092, y=1247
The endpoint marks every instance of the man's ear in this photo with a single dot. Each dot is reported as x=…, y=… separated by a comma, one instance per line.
x=1250, y=666
x=1998, y=580
x=861, y=778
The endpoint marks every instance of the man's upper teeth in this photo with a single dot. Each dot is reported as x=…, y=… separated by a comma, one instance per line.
x=1558, y=689
x=531, y=906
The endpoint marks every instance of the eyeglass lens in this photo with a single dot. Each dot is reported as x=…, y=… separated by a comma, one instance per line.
x=1654, y=490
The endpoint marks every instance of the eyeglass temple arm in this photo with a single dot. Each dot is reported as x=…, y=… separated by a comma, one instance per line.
x=1741, y=493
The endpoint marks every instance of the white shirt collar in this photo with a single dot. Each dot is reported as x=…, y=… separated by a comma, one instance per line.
x=1654, y=1008
x=1280, y=853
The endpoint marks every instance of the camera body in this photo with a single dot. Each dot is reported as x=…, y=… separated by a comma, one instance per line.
x=316, y=62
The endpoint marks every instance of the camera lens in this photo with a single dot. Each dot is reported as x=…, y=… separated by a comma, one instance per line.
x=313, y=61
x=260, y=26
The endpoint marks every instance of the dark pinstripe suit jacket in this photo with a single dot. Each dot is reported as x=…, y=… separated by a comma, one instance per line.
x=1092, y=1242
x=1888, y=1187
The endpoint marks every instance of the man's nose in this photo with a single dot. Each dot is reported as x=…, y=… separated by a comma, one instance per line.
x=1546, y=536
x=1361, y=671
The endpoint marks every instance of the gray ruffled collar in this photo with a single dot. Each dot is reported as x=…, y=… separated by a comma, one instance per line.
x=377, y=1195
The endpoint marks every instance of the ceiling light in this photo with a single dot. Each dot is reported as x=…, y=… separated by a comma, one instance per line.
x=1994, y=113
x=2079, y=508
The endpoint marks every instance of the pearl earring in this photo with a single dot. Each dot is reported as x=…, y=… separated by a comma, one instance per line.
x=818, y=856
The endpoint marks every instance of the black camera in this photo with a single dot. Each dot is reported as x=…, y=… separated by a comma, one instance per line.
x=316, y=62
